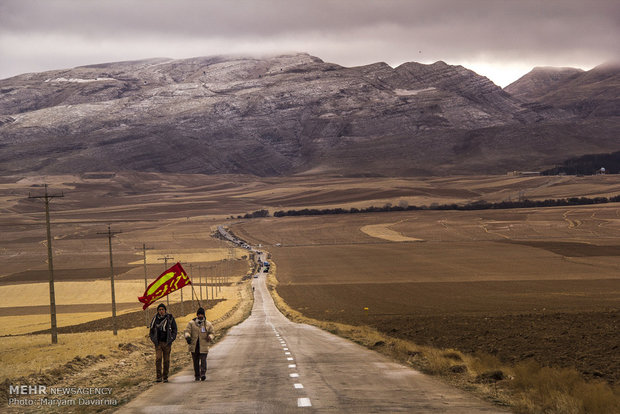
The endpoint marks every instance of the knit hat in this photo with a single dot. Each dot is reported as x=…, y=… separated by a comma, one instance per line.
x=200, y=311
x=161, y=305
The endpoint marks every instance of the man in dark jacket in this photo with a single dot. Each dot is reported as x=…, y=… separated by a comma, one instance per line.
x=163, y=332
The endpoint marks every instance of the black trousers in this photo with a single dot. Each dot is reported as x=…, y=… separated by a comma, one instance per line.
x=200, y=364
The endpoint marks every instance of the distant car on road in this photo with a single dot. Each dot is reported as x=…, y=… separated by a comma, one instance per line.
x=266, y=270
x=256, y=276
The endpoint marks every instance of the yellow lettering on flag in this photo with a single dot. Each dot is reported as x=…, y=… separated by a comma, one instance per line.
x=160, y=282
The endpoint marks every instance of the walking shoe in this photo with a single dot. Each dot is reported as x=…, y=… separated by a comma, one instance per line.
x=165, y=379
x=197, y=379
x=158, y=380
x=203, y=378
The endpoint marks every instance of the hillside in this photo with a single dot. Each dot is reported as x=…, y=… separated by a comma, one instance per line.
x=540, y=81
x=593, y=93
x=283, y=115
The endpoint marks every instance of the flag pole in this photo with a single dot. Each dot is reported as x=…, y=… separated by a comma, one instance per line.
x=197, y=300
x=194, y=292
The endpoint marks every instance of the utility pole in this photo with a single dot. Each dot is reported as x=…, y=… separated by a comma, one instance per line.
x=110, y=234
x=182, y=312
x=221, y=278
x=200, y=281
x=144, y=249
x=207, y=288
x=216, y=278
x=191, y=267
x=165, y=259
x=231, y=251
x=212, y=285
x=50, y=263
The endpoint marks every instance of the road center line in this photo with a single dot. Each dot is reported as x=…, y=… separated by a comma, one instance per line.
x=292, y=365
x=304, y=402
x=294, y=375
x=298, y=386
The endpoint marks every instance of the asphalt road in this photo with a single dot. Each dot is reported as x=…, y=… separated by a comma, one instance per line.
x=268, y=364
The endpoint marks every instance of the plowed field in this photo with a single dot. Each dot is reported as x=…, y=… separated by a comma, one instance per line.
x=533, y=283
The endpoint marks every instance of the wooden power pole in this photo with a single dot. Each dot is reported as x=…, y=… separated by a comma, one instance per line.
x=144, y=249
x=110, y=234
x=50, y=263
x=191, y=272
x=165, y=259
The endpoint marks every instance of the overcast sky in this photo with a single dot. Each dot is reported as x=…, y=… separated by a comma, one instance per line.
x=500, y=39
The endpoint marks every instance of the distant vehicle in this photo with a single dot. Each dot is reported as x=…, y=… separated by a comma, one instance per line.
x=256, y=276
x=266, y=263
x=266, y=270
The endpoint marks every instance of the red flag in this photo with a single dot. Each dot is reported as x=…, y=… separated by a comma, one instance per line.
x=169, y=281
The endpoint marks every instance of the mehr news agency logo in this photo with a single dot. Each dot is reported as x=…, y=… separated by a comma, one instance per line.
x=42, y=395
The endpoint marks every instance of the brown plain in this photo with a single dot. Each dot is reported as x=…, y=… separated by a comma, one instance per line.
x=529, y=283
x=518, y=284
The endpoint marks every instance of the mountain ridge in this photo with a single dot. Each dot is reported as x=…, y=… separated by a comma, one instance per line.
x=282, y=115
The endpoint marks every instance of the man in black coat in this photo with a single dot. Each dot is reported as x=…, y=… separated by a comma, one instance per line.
x=163, y=332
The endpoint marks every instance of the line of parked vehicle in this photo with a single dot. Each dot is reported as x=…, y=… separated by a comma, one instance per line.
x=263, y=266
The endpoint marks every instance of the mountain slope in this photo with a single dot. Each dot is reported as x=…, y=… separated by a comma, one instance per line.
x=594, y=93
x=540, y=81
x=277, y=116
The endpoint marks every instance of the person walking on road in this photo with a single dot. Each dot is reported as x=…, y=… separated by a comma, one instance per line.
x=198, y=334
x=163, y=332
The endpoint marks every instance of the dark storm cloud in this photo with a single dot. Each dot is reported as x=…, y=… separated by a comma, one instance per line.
x=348, y=32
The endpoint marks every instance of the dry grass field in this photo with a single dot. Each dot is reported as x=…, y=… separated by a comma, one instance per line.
x=81, y=258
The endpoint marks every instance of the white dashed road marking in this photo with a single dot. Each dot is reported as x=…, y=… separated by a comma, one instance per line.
x=304, y=402
x=298, y=386
x=294, y=375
